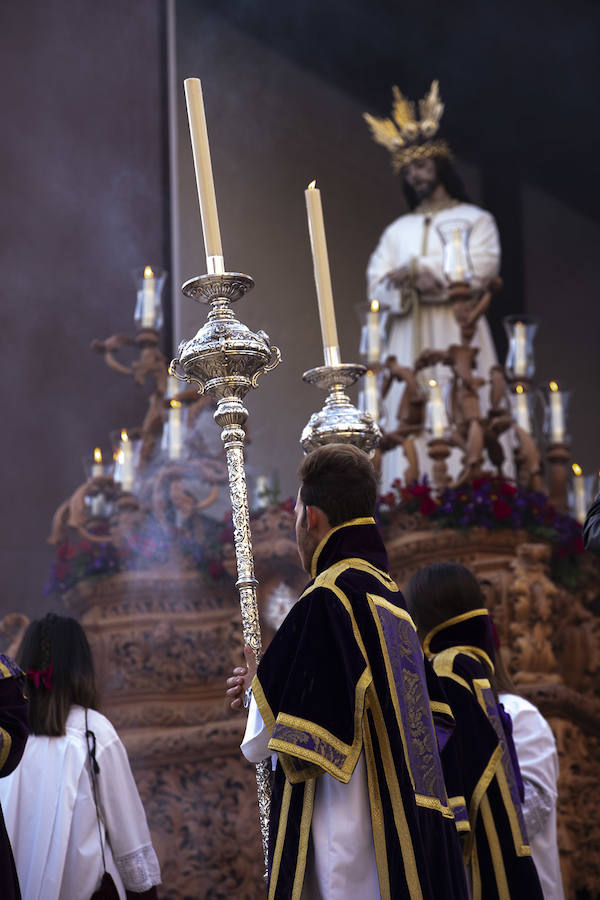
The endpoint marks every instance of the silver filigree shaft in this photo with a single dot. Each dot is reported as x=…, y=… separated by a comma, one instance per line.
x=225, y=360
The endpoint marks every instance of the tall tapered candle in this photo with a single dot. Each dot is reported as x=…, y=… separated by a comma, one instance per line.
x=316, y=228
x=203, y=169
x=521, y=408
x=557, y=415
x=579, y=502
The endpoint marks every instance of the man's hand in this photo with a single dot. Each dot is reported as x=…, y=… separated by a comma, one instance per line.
x=241, y=679
x=396, y=277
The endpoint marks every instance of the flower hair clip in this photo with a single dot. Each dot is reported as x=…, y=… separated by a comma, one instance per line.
x=41, y=677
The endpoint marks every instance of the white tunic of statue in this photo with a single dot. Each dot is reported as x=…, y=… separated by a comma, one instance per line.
x=413, y=241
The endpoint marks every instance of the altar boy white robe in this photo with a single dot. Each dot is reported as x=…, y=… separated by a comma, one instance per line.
x=341, y=861
x=413, y=241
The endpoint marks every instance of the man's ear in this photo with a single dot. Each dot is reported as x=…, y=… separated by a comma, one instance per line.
x=312, y=517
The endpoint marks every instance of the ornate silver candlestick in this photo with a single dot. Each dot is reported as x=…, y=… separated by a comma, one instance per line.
x=224, y=360
x=339, y=421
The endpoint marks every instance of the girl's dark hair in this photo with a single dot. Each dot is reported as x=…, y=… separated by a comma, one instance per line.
x=440, y=592
x=448, y=176
x=58, y=642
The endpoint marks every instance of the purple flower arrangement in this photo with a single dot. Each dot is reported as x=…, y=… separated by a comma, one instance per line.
x=81, y=559
x=495, y=504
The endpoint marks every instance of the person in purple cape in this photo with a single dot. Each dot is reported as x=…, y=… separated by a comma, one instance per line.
x=340, y=700
x=480, y=763
x=13, y=737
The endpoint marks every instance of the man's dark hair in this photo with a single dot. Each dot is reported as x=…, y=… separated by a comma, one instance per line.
x=447, y=175
x=58, y=642
x=340, y=480
x=441, y=591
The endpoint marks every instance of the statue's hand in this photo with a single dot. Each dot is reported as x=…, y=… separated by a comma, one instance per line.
x=427, y=283
x=396, y=278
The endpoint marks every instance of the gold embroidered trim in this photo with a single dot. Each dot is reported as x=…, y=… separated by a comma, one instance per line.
x=281, y=832
x=408, y=854
x=305, y=821
x=475, y=875
x=5, y=746
x=366, y=520
x=455, y=620
x=521, y=846
x=495, y=851
x=342, y=773
x=439, y=707
x=376, y=806
x=478, y=794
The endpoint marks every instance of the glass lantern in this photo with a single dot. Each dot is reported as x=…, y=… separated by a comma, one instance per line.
x=520, y=361
x=520, y=405
x=148, y=308
x=374, y=317
x=456, y=261
x=436, y=417
x=555, y=414
x=173, y=444
x=126, y=458
x=369, y=397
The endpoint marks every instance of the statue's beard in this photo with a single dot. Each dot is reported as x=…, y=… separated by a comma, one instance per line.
x=425, y=189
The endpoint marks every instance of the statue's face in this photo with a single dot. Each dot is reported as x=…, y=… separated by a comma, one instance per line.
x=421, y=175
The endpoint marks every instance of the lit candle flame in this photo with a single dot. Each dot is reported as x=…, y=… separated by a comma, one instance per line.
x=175, y=404
x=124, y=436
x=374, y=305
x=369, y=373
x=148, y=273
x=312, y=185
x=520, y=389
x=97, y=455
x=432, y=383
x=553, y=386
x=577, y=470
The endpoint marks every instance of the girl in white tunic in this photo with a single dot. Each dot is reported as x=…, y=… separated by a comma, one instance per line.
x=48, y=801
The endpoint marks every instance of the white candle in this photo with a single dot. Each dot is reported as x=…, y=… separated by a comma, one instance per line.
x=371, y=395
x=520, y=339
x=126, y=462
x=316, y=228
x=557, y=415
x=203, y=169
x=148, y=295
x=175, y=429
x=373, y=335
x=521, y=409
x=579, y=493
x=97, y=467
x=438, y=421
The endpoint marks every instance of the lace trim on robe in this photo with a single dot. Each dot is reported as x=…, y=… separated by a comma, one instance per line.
x=537, y=807
x=139, y=870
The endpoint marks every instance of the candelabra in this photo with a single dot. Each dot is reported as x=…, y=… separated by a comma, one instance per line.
x=339, y=420
x=225, y=360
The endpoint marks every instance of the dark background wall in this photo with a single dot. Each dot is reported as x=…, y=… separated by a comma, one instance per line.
x=84, y=172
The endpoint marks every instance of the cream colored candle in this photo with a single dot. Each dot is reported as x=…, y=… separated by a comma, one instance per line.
x=520, y=339
x=521, y=409
x=371, y=395
x=203, y=169
x=148, y=298
x=175, y=429
x=557, y=414
x=97, y=467
x=578, y=493
x=438, y=421
x=126, y=462
x=316, y=228
x=373, y=335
